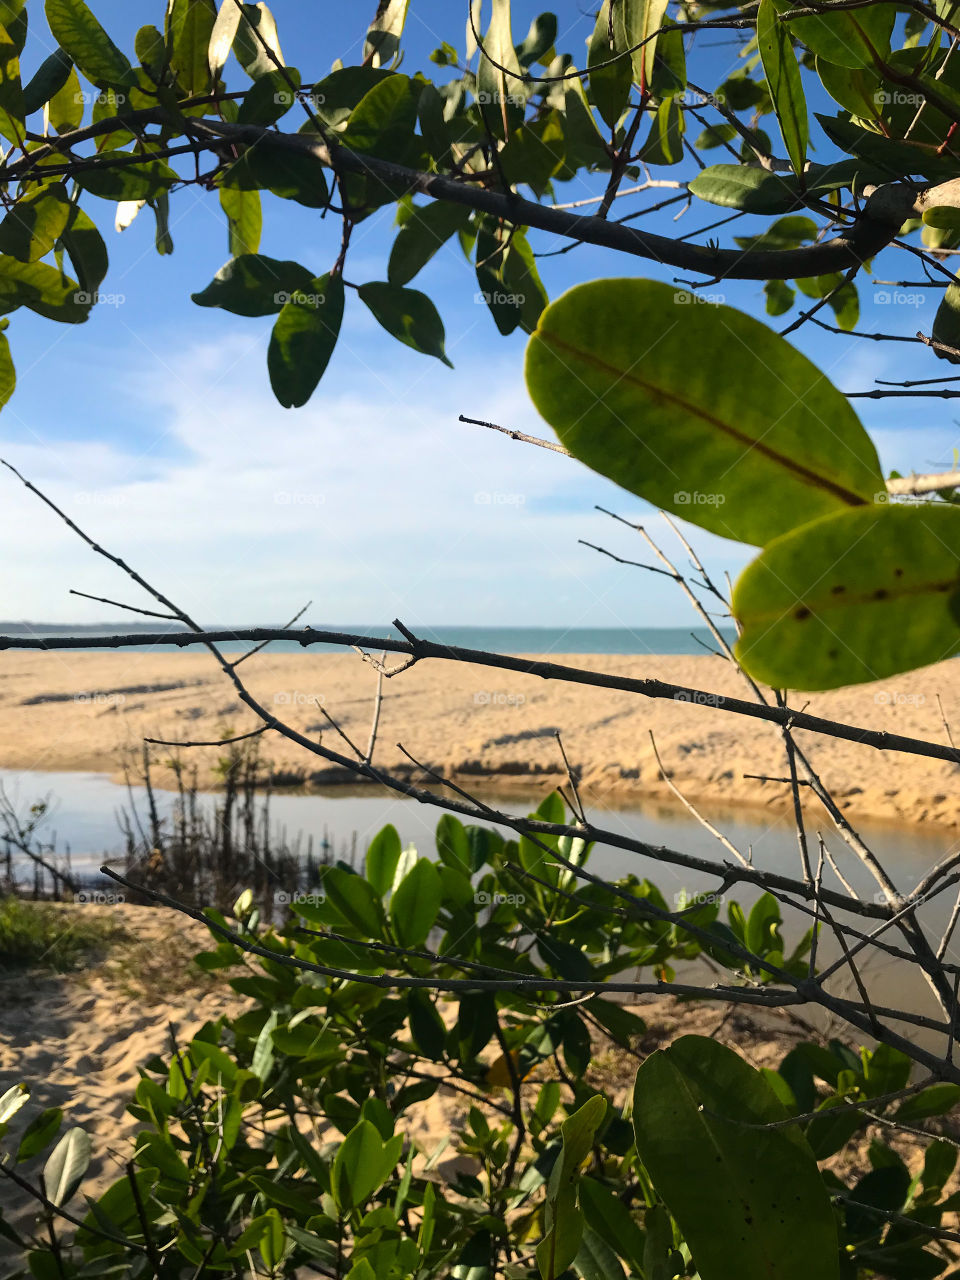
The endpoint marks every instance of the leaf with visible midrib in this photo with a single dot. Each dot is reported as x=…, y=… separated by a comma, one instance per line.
x=80, y=35
x=66, y=1165
x=855, y=597
x=632, y=377
x=743, y=1196
x=303, y=340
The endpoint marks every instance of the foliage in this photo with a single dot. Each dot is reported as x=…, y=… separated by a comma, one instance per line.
x=284, y=1138
x=490, y=137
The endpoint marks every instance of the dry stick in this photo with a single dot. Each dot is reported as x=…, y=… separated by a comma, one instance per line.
x=815, y=934
x=296, y=618
x=377, y=705
x=131, y=608
x=704, y=822
x=577, y=807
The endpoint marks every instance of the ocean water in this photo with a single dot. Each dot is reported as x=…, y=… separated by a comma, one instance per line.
x=534, y=640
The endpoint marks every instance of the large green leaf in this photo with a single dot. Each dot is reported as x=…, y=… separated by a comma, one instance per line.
x=271, y=97
x=356, y=900
x=415, y=903
x=223, y=35
x=287, y=173
x=115, y=178
x=500, y=93
x=256, y=43
x=743, y=1196
x=303, y=340
x=49, y=78
x=13, y=107
x=191, y=44
x=783, y=79
x=610, y=369
x=44, y=290
x=88, y=253
x=66, y=1165
x=359, y=1166
x=383, y=854
x=854, y=597
x=80, y=35
x=255, y=285
x=850, y=37
x=408, y=315
x=244, y=218
x=383, y=124
x=383, y=37
x=563, y=1218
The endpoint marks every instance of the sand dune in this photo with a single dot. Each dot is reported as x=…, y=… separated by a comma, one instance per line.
x=483, y=726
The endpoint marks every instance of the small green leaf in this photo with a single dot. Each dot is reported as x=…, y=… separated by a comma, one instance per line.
x=270, y=98
x=34, y=224
x=734, y=186
x=66, y=1166
x=256, y=43
x=244, y=218
x=44, y=290
x=383, y=854
x=356, y=900
x=358, y=1167
x=635, y=22
x=223, y=35
x=937, y=1100
x=273, y=1239
x=609, y=368
x=88, y=253
x=40, y=1133
x=783, y=80
x=81, y=36
x=288, y=173
x=408, y=315
x=255, y=285
x=52, y=74
x=853, y=597
x=415, y=903
x=11, y=1102
x=303, y=340
x=429, y=228
x=193, y=30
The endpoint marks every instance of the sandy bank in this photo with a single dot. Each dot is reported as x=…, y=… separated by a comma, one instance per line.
x=482, y=726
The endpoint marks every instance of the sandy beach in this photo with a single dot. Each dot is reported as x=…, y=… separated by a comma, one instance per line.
x=483, y=727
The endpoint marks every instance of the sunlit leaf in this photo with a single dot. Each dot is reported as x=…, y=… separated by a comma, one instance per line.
x=304, y=338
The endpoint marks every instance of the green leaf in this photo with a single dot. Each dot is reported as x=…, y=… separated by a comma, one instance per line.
x=857, y=89
x=596, y=1259
x=779, y=297
x=609, y=368
x=303, y=340
x=65, y=108
x=80, y=35
x=34, y=224
x=383, y=854
x=358, y=1167
x=338, y=95
x=383, y=124
x=191, y=44
x=288, y=173
x=563, y=1220
x=255, y=285
x=40, y=1133
x=783, y=80
x=222, y=36
x=44, y=290
x=356, y=900
x=612, y=1220
x=853, y=597
x=946, y=324
x=850, y=38
x=11, y=1102
x=273, y=1239
x=664, y=144
x=426, y=1025
x=150, y=47
x=66, y=1166
x=501, y=94
x=86, y=248
x=937, y=1100
x=735, y=186
x=609, y=86
x=270, y=98
x=539, y=40
x=126, y=181
x=244, y=218
x=742, y=1196
x=257, y=44
x=635, y=21
x=415, y=903
x=408, y=315
x=52, y=74
x=383, y=38
x=426, y=231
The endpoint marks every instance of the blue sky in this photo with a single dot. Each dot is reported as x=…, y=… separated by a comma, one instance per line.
x=154, y=424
